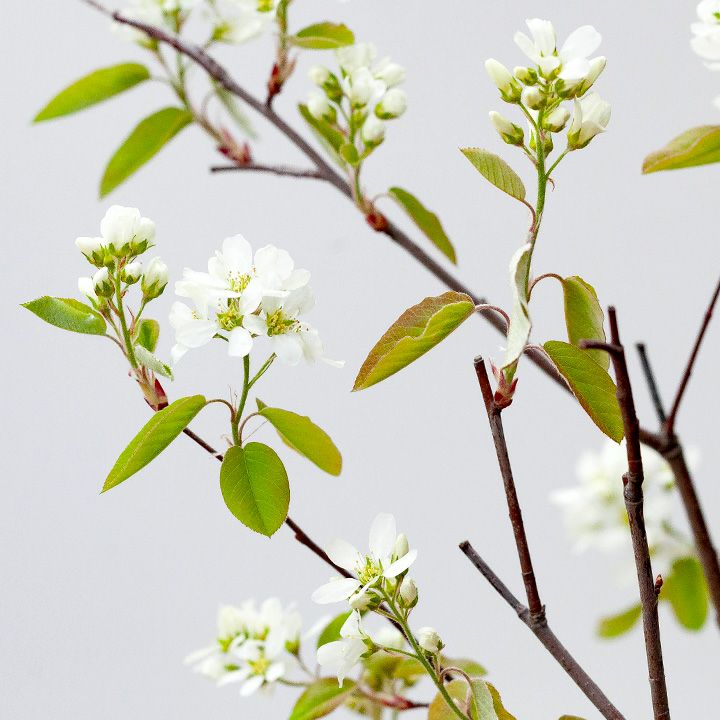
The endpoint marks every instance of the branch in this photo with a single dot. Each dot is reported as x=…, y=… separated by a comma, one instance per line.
x=273, y=169
x=670, y=423
x=537, y=611
x=633, y=494
x=651, y=382
x=547, y=637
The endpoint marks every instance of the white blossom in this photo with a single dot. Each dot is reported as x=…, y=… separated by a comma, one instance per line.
x=706, y=33
x=591, y=116
x=340, y=657
x=393, y=104
x=237, y=21
x=373, y=130
x=429, y=640
x=155, y=278
x=87, y=287
x=318, y=105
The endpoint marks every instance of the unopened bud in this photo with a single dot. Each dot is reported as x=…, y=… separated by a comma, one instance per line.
x=93, y=249
x=512, y=134
x=320, y=108
x=526, y=75
x=87, y=287
x=319, y=74
x=408, y=592
x=429, y=640
x=393, y=104
x=102, y=283
x=373, y=131
x=557, y=119
x=360, y=601
x=504, y=81
x=155, y=279
x=131, y=273
x=402, y=547
x=533, y=98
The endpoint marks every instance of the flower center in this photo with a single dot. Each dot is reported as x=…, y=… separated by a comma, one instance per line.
x=259, y=666
x=368, y=570
x=279, y=324
x=237, y=282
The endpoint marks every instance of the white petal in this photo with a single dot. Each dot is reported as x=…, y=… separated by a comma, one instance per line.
x=351, y=627
x=240, y=342
x=344, y=554
x=273, y=263
x=383, y=533
x=401, y=565
x=581, y=43
x=251, y=297
x=233, y=677
x=255, y=324
x=275, y=672
x=196, y=333
x=297, y=279
x=575, y=69
x=543, y=34
x=288, y=347
x=252, y=685
x=527, y=46
x=177, y=352
x=237, y=254
x=335, y=591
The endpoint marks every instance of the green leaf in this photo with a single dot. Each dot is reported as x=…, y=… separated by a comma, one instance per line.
x=255, y=487
x=496, y=170
x=330, y=137
x=520, y=324
x=500, y=710
x=306, y=438
x=616, y=625
x=321, y=698
x=426, y=220
x=162, y=428
x=147, y=334
x=409, y=670
x=331, y=632
x=686, y=591
x=148, y=360
x=68, y=314
x=323, y=36
x=483, y=703
x=697, y=146
x=470, y=667
x=571, y=717
x=439, y=710
x=349, y=153
x=143, y=143
x=591, y=385
x=419, y=329
x=584, y=317
x=94, y=88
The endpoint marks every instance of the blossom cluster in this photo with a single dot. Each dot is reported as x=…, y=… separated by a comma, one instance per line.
x=556, y=75
x=244, y=296
x=364, y=95
x=706, y=35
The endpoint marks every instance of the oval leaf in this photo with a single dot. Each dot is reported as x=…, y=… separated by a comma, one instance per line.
x=697, y=146
x=686, y=591
x=323, y=36
x=94, y=88
x=162, y=428
x=584, y=317
x=426, y=220
x=331, y=632
x=439, y=710
x=255, y=487
x=483, y=703
x=417, y=330
x=500, y=710
x=321, y=698
x=148, y=360
x=520, y=324
x=619, y=624
x=147, y=334
x=330, y=138
x=496, y=170
x=306, y=438
x=591, y=385
x=68, y=314
x=145, y=141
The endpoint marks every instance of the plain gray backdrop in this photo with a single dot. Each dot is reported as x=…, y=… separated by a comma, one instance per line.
x=102, y=597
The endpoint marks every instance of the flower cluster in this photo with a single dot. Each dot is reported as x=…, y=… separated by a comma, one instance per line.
x=595, y=513
x=555, y=76
x=359, y=101
x=124, y=235
x=244, y=296
x=706, y=35
x=255, y=647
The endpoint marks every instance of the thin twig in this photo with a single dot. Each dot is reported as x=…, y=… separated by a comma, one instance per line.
x=273, y=169
x=633, y=494
x=651, y=382
x=547, y=637
x=494, y=413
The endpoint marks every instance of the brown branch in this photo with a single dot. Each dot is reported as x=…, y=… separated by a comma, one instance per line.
x=670, y=422
x=547, y=637
x=273, y=169
x=494, y=413
x=633, y=494
x=651, y=382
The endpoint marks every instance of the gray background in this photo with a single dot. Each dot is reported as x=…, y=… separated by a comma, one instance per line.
x=103, y=596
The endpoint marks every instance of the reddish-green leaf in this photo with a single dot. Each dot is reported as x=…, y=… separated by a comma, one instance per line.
x=697, y=146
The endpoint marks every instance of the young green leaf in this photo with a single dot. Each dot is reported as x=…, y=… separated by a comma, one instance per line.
x=697, y=146
x=439, y=710
x=417, y=330
x=686, y=591
x=520, y=324
x=143, y=143
x=162, y=428
x=331, y=632
x=94, y=88
x=426, y=220
x=496, y=170
x=483, y=703
x=68, y=314
x=584, y=317
x=591, y=385
x=147, y=334
x=321, y=698
x=255, y=487
x=349, y=153
x=306, y=438
x=330, y=138
x=148, y=360
x=500, y=710
x=616, y=625
x=323, y=36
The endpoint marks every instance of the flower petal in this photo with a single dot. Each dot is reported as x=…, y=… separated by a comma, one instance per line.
x=344, y=554
x=543, y=34
x=237, y=255
x=401, y=565
x=527, y=46
x=240, y=342
x=581, y=43
x=383, y=534
x=252, y=685
x=288, y=347
x=335, y=591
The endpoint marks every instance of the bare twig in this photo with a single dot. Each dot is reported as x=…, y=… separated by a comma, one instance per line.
x=547, y=637
x=494, y=413
x=633, y=494
x=272, y=169
x=651, y=382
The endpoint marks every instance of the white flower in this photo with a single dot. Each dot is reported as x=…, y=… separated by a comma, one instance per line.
x=389, y=72
x=362, y=87
x=318, y=105
x=382, y=563
x=590, y=118
x=556, y=120
x=408, y=592
x=509, y=132
x=132, y=271
x=319, y=74
x=237, y=21
x=503, y=79
x=91, y=248
x=87, y=287
x=123, y=229
x=429, y=640
x=352, y=57
x=102, y=283
x=342, y=656
x=706, y=40
x=155, y=278
x=373, y=130
x=393, y=104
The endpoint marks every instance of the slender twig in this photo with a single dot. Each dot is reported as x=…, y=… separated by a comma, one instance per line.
x=547, y=637
x=633, y=494
x=273, y=169
x=494, y=413
x=670, y=422
x=651, y=382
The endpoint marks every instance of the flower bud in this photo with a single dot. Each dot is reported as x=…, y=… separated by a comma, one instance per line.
x=590, y=118
x=131, y=273
x=360, y=601
x=320, y=108
x=373, y=131
x=102, y=284
x=393, y=104
x=93, y=249
x=361, y=86
x=408, y=592
x=533, y=98
x=87, y=287
x=504, y=81
x=597, y=65
x=402, y=546
x=526, y=75
x=390, y=73
x=429, y=640
x=557, y=119
x=548, y=143
x=319, y=75
x=512, y=134
x=155, y=279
